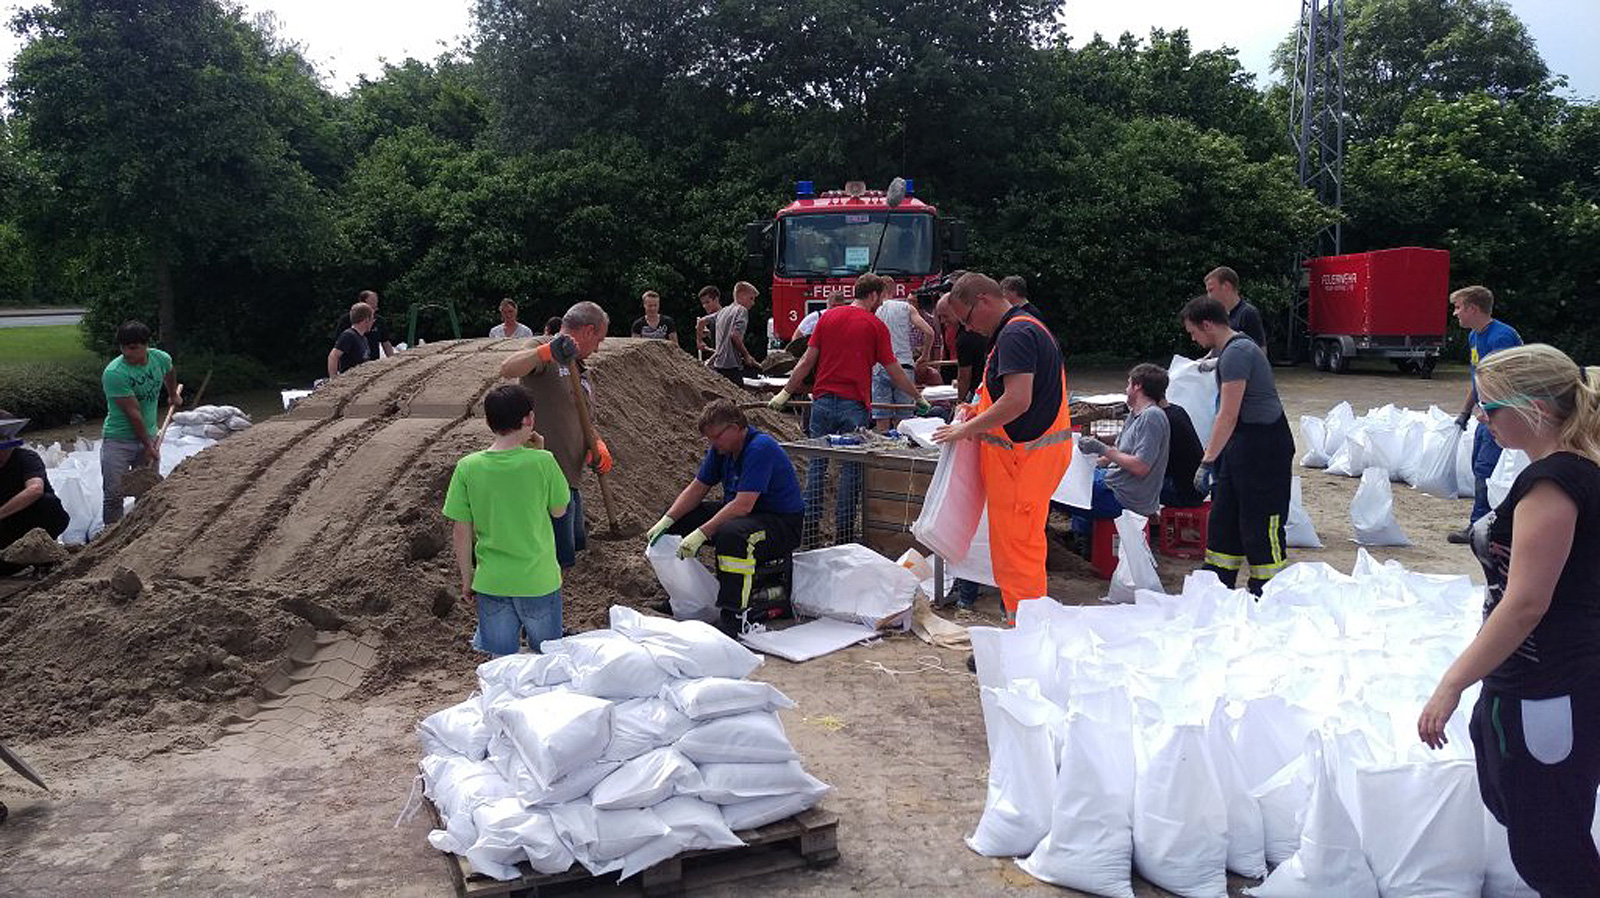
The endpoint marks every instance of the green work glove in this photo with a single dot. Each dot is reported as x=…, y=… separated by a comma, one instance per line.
x=778, y=400
x=692, y=543
x=659, y=528
x=924, y=407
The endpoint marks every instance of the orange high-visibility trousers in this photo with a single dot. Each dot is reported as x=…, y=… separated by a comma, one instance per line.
x=1018, y=480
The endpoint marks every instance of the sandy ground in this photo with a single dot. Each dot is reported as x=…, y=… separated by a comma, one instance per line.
x=186, y=809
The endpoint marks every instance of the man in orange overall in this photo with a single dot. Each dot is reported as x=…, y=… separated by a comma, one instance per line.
x=1023, y=429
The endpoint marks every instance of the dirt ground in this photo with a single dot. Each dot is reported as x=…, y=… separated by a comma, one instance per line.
x=159, y=788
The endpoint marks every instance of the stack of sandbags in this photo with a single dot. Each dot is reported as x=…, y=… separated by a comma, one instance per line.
x=615, y=749
x=1422, y=449
x=214, y=422
x=1185, y=736
x=77, y=481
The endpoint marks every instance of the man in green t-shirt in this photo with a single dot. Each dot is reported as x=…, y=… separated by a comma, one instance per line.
x=502, y=501
x=132, y=383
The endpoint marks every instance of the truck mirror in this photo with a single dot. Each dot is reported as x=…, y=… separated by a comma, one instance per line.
x=755, y=243
x=955, y=244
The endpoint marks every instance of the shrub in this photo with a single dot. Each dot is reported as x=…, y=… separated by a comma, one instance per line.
x=50, y=394
x=229, y=374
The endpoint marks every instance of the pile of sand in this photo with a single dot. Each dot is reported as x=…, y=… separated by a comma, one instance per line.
x=329, y=514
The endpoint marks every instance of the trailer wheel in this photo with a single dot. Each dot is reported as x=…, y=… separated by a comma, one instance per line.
x=1426, y=365
x=1337, y=363
x=1407, y=366
x=1319, y=355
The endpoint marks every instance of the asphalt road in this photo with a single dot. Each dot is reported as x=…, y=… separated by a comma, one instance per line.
x=40, y=317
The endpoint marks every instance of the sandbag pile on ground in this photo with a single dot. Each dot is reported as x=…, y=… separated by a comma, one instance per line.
x=1423, y=449
x=213, y=422
x=75, y=476
x=1186, y=736
x=615, y=749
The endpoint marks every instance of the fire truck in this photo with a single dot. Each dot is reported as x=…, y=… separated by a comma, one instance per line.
x=820, y=243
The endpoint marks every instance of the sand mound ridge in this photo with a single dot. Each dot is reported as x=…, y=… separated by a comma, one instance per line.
x=329, y=515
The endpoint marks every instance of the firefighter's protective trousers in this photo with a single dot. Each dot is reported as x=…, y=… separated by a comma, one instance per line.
x=1250, y=504
x=1018, y=479
x=742, y=544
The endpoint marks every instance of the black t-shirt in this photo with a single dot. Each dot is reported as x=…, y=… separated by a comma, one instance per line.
x=1026, y=347
x=1183, y=456
x=970, y=348
x=664, y=329
x=22, y=466
x=1562, y=654
x=376, y=337
x=352, y=349
x=1246, y=319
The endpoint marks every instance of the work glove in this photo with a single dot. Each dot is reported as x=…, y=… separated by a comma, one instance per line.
x=924, y=407
x=1090, y=445
x=1207, y=365
x=1204, y=477
x=560, y=350
x=691, y=544
x=778, y=400
x=1462, y=419
x=599, y=457
x=660, y=528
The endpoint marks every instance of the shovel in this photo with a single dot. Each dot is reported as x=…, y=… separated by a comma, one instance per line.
x=142, y=479
x=590, y=439
x=21, y=766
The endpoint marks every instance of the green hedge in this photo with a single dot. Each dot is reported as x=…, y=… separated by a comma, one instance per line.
x=53, y=393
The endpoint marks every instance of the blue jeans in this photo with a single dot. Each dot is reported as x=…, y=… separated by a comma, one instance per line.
x=572, y=534
x=1485, y=455
x=1104, y=504
x=503, y=619
x=833, y=414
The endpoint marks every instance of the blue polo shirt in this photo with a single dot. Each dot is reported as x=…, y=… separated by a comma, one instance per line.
x=1495, y=336
x=760, y=467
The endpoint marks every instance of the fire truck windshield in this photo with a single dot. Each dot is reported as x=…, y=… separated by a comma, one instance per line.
x=839, y=244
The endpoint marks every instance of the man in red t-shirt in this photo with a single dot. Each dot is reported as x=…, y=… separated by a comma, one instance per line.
x=848, y=341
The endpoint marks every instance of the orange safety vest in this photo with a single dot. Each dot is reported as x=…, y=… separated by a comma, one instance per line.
x=1019, y=479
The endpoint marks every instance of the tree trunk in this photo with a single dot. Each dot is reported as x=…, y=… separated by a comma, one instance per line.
x=166, y=317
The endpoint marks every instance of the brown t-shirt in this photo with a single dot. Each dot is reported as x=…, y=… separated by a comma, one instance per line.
x=555, y=417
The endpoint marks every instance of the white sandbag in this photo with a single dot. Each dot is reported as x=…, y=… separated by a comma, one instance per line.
x=1511, y=463
x=639, y=725
x=1180, y=821
x=698, y=825
x=812, y=639
x=709, y=697
x=575, y=785
x=1247, y=841
x=508, y=834
x=215, y=431
x=596, y=837
x=1467, y=481
x=1413, y=434
x=685, y=649
x=606, y=664
x=1315, y=436
x=756, y=737
x=758, y=812
x=1329, y=862
x=1422, y=829
x=691, y=589
x=1283, y=799
x=1436, y=463
x=1090, y=843
x=1196, y=391
x=1136, y=567
x=1336, y=428
x=1022, y=764
x=459, y=728
x=852, y=583
x=1500, y=876
x=646, y=780
x=977, y=567
x=952, y=504
x=521, y=675
x=1372, y=511
x=729, y=784
x=1076, y=489
x=1298, y=531
x=456, y=786
x=557, y=732
x=237, y=423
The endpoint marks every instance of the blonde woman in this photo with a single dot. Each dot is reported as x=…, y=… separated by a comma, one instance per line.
x=1536, y=726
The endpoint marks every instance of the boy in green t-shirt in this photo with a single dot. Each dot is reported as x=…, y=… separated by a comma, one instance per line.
x=132, y=382
x=502, y=500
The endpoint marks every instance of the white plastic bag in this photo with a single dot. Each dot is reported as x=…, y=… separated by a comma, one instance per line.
x=691, y=589
x=1299, y=532
x=733, y=784
x=710, y=697
x=685, y=649
x=509, y=833
x=1435, y=847
x=951, y=507
x=641, y=724
x=1076, y=489
x=456, y=786
x=606, y=664
x=1329, y=862
x=977, y=567
x=459, y=728
x=1180, y=823
x=1436, y=465
x=756, y=737
x=1247, y=841
x=647, y=780
x=1196, y=391
x=1136, y=567
x=575, y=785
x=756, y=812
x=1511, y=463
x=1022, y=764
x=597, y=836
x=557, y=732
x=1467, y=481
x=852, y=583
x=1315, y=436
x=697, y=824
x=1372, y=511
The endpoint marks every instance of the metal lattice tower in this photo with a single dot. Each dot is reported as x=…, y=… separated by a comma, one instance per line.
x=1316, y=128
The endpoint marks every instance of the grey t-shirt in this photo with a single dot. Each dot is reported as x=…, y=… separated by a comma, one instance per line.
x=1243, y=360
x=522, y=331
x=731, y=323
x=1147, y=436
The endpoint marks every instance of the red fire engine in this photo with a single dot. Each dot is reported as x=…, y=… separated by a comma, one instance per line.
x=819, y=244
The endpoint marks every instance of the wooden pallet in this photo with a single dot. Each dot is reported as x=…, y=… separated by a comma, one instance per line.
x=807, y=840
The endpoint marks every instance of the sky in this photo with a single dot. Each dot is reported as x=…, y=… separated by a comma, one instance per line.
x=346, y=39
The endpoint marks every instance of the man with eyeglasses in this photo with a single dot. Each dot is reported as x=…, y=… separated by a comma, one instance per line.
x=1474, y=310
x=761, y=511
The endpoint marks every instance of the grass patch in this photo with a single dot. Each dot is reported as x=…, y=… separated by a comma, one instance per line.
x=55, y=343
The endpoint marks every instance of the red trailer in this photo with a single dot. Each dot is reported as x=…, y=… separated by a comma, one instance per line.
x=1388, y=303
